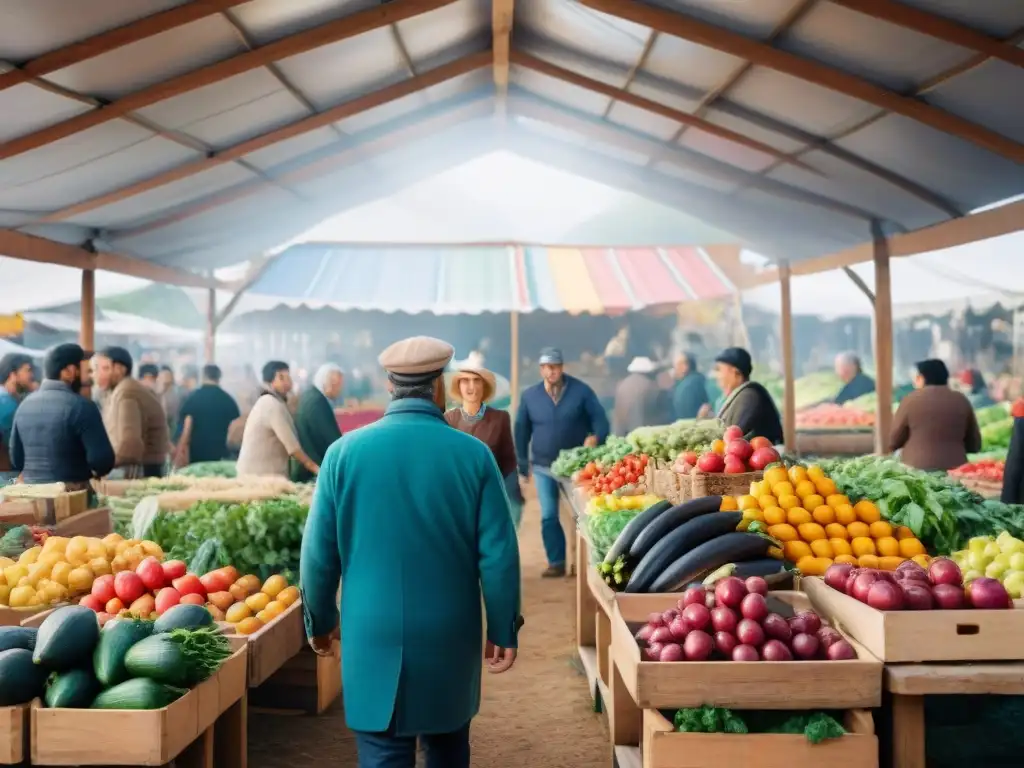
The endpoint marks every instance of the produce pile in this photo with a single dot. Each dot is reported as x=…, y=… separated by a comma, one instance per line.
x=667, y=442
x=572, y=460
x=627, y=473
x=810, y=390
x=996, y=423
x=732, y=454
x=869, y=402
x=605, y=519
x=816, y=726
x=666, y=547
x=62, y=569
x=912, y=588
x=71, y=663
x=832, y=416
x=1000, y=557
x=819, y=526
x=734, y=622
x=940, y=511
x=986, y=470
x=209, y=469
x=258, y=537
x=15, y=539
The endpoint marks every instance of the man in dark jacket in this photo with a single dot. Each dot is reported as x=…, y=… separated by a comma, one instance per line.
x=58, y=435
x=559, y=412
x=208, y=412
x=315, y=421
x=691, y=390
x=747, y=404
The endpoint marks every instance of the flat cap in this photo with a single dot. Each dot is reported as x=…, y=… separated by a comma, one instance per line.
x=416, y=356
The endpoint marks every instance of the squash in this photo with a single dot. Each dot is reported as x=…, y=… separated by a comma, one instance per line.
x=20, y=679
x=66, y=638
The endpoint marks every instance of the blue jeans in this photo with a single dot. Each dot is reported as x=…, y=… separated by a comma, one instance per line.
x=549, y=495
x=443, y=750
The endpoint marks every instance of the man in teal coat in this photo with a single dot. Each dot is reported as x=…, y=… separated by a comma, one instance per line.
x=412, y=516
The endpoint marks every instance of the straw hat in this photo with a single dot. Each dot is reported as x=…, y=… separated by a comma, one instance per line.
x=464, y=372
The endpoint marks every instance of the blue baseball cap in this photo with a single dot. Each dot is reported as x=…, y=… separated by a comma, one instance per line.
x=551, y=356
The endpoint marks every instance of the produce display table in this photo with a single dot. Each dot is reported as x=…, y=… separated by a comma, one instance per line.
x=14, y=734
x=910, y=683
x=274, y=645
x=305, y=684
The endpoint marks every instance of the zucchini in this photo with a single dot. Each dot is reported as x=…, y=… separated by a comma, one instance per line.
x=728, y=548
x=183, y=616
x=17, y=637
x=677, y=543
x=20, y=679
x=139, y=693
x=71, y=690
x=628, y=534
x=115, y=640
x=670, y=520
x=66, y=638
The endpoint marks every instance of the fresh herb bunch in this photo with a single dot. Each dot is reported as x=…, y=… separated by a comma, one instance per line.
x=260, y=537
x=816, y=726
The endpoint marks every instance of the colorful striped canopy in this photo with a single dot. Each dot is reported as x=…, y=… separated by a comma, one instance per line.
x=474, y=279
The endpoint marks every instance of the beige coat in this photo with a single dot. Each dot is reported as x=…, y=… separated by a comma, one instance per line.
x=268, y=440
x=136, y=425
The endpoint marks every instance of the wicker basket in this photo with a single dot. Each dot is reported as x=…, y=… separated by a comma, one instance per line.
x=704, y=484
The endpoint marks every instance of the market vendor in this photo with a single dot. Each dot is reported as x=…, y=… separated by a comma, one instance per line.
x=417, y=542
x=935, y=427
x=58, y=436
x=315, y=422
x=16, y=379
x=208, y=412
x=270, y=439
x=473, y=387
x=855, y=381
x=557, y=413
x=690, y=393
x=638, y=398
x=747, y=404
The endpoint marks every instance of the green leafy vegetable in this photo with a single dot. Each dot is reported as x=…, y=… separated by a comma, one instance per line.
x=573, y=460
x=816, y=726
x=603, y=528
x=667, y=442
x=209, y=469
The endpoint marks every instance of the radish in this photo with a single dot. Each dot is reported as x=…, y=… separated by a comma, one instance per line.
x=679, y=628
x=672, y=652
x=805, y=646
x=725, y=643
x=776, y=650
x=691, y=596
x=729, y=592
x=756, y=585
x=749, y=632
x=841, y=651
x=724, y=619
x=745, y=653
x=698, y=646
x=777, y=627
x=697, y=616
x=754, y=607
x=653, y=652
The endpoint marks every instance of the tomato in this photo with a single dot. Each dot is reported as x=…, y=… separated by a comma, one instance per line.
x=631, y=477
x=167, y=598
x=189, y=584
x=622, y=471
x=174, y=569
x=618, y=482
x=152, y=575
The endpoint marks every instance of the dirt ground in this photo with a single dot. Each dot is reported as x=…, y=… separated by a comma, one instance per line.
x=537, y=715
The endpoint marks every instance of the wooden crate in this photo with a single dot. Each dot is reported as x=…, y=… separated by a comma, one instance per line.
x=663, y=747
x=275, y=644
x=903, y=636
x=14, y=734
x=14, y=617
x=184, y=731
x=782, y=685
x=704, y=484
x=49, y=510
x=93, y=522
x=306, y=684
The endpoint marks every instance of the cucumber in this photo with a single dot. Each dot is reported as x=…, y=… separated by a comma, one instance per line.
x=671, y=519
x=628, y=534
x=161, y=659
x=17, y=637
x=66, y=638
x=677, y=543
x=139, y=693
x=75, y=689
x=728, y=548
x=20, y=679
x=185, y=616
x=115, y=640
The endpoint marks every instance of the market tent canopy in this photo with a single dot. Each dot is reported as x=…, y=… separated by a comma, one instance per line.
x=451, y=279
x=210, y=132
x=9, y=348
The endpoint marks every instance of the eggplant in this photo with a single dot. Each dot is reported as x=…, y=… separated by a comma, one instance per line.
x=728, y=548
x=771, y=570
x=670, y=520
x=633, y=528
x=677, y=543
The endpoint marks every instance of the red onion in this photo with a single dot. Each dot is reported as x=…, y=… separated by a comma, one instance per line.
x=691, y=596
x=756, y=585
x=670, y=614
x=679, y=629
x=916, y=594
x=745, y=653
x=828, y=635
x=805, y=646
x=724, y=619
x=942, y=570
x=949, y=597
x=661, y=635
x=775, y=650
x=777, y=627
x=885, y=596
x=862, y=584
x=653, y=652
x=697, y=616
x=841, y=651
x=672, y=652
x=836, y=576
x=644, y=633
x=730, y=592
x=698, y=646
x=655, y=619
x=988, y=595
x=749, y=632
x=725, y=643
x=754, y=607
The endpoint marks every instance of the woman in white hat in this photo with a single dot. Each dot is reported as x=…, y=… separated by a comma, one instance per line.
x=472, y=387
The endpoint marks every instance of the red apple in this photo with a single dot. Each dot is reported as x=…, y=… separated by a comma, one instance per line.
x=739, y=448
x=711, y=463
x=734, y=465
x=128, y=586
x=732, y=433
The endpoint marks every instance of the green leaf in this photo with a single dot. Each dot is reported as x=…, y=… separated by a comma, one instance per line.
x=914, y=516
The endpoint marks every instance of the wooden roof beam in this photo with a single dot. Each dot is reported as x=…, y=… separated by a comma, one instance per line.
x=502, y=16
x=936, y=26
x=18, y=245
x=112, y=39
x=761, y=54
x=304, y=125
x=326, y=34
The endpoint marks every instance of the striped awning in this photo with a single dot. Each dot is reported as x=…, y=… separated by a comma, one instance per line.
x=474, y=279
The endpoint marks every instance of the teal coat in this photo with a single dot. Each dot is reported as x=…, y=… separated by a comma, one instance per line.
x=413, y=517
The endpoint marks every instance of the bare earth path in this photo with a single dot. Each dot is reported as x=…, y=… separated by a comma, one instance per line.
x=537, y=716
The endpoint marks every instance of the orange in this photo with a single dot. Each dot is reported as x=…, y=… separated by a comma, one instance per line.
x=767, y=501
x=879, y=529
x=747, y=502
x=904, y=533
x=867, y=561
x=911, y=547
x=785, y=488
x=753, y=514
x=248, y=626
x=922, y=560
x=812, y=501
x=887, y=546
x=775, y=475
x=788, y=501
x=811, y=532
x=798, y=516
x=823, y=514
x=815, y=473
x=760, y=488
x=856, y=530
x=774, y=515
x=867, y=512
x=844, y=514
x=797, y=474
x=846, y=560
x=805, y=488
x=863, y=546
x=821, y=548
x=795, y=550
x=841, y=546
x=835, y=499
x=813, y=566
x=890, y=563
x=825, y=486
x=729, y=504
x=783, y=532
x=718, y=446
x=836, y=531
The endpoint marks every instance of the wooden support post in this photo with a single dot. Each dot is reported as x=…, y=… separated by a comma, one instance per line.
x=514, y=347
x=789, y=405
x=883, y=338
x=211, y=326
x=87, y=331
